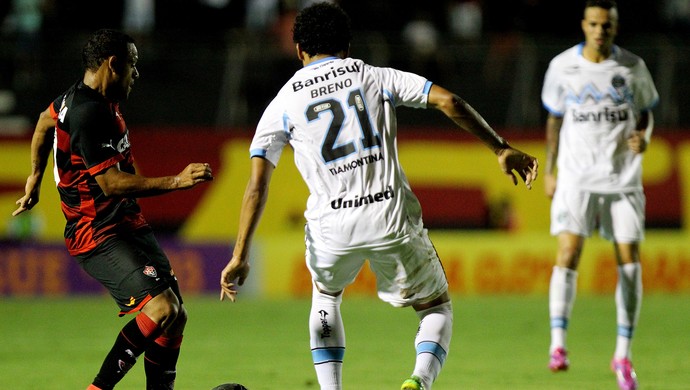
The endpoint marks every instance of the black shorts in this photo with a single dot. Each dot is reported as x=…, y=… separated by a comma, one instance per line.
x=132, y=267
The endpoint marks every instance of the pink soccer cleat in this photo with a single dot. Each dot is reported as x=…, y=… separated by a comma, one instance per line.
x=625, y=373
x=559, y=360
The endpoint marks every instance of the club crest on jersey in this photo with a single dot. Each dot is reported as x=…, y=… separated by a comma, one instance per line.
x=622, y=92
x=150, y=271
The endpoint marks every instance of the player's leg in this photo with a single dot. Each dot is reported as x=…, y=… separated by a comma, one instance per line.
x=330, y=274
x=624, y=225
x=433, y=339
x=162, y=353
x=573, y=217
x=562, y=293
x=628, y=296
x=129, y=344
x=411, y=274
x=628, y=303
x=134, y=282
x=327, y=338
x=168, y=311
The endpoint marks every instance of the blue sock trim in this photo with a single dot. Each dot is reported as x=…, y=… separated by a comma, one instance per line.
x=559, y=322
x=625, y=331
x=328, y=355
x=432, y=348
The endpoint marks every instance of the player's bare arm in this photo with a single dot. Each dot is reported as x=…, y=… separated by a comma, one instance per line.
x=115, y=182
x=639, y=139
x=41, y=145
x=253, y=203
x=553, y=131
x=468, y=119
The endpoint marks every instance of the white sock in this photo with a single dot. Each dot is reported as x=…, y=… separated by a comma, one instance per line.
x=562, y=292
x=628, y=303
x=432, y=342
x=327, y=339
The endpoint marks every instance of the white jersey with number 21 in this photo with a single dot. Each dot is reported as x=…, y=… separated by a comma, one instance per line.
x=338, y=115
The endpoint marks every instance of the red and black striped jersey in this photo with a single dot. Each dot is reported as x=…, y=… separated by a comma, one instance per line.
x=90, y=137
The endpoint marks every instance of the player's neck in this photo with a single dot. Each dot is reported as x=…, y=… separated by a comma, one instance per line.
x=596, y=54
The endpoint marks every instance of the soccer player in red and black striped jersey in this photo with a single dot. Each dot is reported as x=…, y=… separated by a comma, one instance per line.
x=106, y=231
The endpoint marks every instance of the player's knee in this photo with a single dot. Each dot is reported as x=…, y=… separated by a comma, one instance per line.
x=170, y=311
x=568, y=256
x=164, y=309
x=440, y=300
x=181, y=318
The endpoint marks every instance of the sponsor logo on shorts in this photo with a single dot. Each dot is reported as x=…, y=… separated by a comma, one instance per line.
x=150, y=271
x=132, y=301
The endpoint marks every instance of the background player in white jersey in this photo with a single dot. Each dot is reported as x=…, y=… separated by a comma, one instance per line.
x=338, y=114
x=599, y=98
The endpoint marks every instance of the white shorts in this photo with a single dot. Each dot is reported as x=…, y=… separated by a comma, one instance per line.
x=620, y=217
x=407, y=273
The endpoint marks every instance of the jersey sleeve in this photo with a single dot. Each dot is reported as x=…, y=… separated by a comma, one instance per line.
x=95, y=138
x=54, y=108
x=272, y=134
x=404, y=88
x=551, y=93
x=646, y=95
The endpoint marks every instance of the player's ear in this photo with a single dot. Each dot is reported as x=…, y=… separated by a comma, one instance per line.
x=114, y=64
x=300, y=53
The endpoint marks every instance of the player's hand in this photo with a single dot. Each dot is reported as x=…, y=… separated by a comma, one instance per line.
x=525, y=165
x=637, y=142
x=549, y=185
x=235, y=271
x=192, y=175
x=32, y=191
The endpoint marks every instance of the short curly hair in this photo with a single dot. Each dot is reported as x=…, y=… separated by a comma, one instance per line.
x=103, y=44
x=605, y=4
x=322, y=28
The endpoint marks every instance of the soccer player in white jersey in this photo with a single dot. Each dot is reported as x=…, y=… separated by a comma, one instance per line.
x=599, y=98
x=338, y=114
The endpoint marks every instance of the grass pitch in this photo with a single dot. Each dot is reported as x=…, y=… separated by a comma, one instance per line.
x=499, y=342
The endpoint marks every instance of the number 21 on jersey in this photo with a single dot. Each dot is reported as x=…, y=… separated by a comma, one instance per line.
x=330, y=151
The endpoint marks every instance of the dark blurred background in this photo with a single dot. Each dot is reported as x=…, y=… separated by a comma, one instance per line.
x=217, y=63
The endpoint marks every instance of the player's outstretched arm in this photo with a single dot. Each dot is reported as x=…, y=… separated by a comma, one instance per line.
x=41, y=145
x=114, y=182
x=253, y=203
x=462, y=114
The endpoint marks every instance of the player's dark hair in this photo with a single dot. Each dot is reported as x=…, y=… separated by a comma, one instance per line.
x=230, y=386
x=322, y=28
x=605, y=4
x=103, y=44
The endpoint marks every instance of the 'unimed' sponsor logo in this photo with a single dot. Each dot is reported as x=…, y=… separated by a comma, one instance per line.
x=357, y=201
